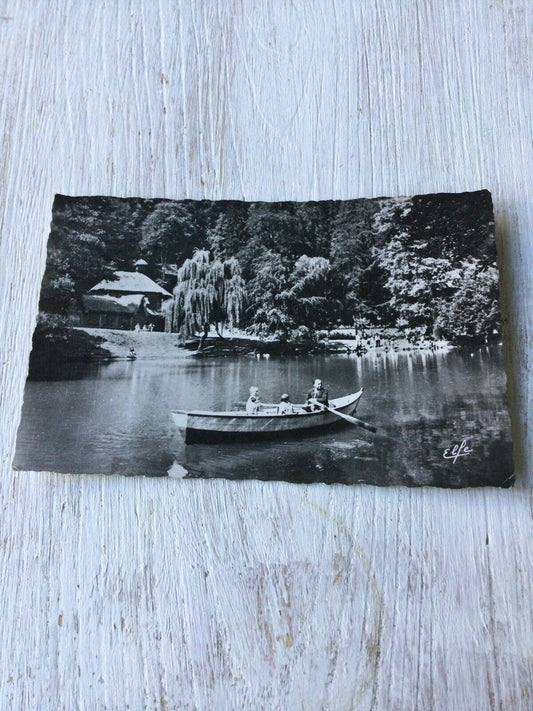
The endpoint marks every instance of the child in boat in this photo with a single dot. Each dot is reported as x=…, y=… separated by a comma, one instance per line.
x=285, y=406
x=254, y=401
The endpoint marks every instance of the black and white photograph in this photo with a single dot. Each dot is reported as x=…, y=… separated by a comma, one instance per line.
x=354, y=342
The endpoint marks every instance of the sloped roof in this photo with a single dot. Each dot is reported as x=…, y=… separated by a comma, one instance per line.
x=113, y=304
x=131, y=282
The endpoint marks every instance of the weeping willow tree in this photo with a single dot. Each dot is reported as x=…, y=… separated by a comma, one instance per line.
x=208, y=292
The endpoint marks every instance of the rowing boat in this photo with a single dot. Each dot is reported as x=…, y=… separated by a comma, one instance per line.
x=205, y=426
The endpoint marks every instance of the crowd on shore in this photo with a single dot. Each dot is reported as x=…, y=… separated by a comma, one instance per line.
x=380, y=340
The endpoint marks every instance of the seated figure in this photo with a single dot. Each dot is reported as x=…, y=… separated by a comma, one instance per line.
x=254, y=401
x=285, y=406
x=317, y=397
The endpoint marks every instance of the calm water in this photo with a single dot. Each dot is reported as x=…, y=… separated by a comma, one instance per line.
x=115, y=418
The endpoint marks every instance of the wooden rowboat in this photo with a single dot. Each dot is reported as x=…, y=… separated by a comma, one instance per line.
x=203, y=426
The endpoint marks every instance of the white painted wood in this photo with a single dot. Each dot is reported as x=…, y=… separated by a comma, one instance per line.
x=134, y=593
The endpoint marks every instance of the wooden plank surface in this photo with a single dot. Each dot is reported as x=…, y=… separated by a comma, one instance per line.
x=134, y=593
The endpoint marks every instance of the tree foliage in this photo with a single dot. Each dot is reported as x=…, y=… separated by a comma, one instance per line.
x=267, y=315
x=169, y=233
x=472, y=314
x=310, y=299
x=208, y=291
x=289, y=268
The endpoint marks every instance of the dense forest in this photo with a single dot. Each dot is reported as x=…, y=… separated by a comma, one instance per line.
x=425, y=264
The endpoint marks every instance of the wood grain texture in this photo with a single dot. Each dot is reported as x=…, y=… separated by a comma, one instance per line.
x=147, y=594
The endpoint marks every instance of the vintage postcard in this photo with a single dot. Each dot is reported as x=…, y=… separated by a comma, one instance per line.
x=355, y=341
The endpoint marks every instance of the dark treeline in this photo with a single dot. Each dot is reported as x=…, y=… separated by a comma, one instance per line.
x=425, y=264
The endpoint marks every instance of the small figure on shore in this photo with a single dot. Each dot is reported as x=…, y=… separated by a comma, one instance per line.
x=317, y=397
x=132, y=355
x=285, y=406
x=254, y=401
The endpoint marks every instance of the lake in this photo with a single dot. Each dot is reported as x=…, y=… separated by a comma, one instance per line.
x=115, y=419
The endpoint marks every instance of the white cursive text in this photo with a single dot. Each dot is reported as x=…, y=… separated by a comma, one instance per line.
x=458, y=450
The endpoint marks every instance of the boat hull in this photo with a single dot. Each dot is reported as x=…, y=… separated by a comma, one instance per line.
x=238, y=426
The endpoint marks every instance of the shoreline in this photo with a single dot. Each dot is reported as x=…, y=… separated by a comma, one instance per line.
x=167, y=346
x=147, y=344
x=55, y=347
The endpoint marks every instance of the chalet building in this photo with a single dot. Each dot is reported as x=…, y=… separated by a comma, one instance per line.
x=129, y=300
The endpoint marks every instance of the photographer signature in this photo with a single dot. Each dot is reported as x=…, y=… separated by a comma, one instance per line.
x=458, y=450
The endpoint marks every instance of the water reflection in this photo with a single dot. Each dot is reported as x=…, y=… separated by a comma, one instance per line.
x=115, y=418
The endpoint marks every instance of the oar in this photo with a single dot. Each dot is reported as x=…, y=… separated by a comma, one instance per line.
x=349, y=418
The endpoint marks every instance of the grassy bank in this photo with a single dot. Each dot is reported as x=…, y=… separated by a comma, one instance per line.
x=145, y=343
x=168, y=345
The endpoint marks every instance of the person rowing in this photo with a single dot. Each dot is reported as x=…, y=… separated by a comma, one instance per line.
x=317, y=396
